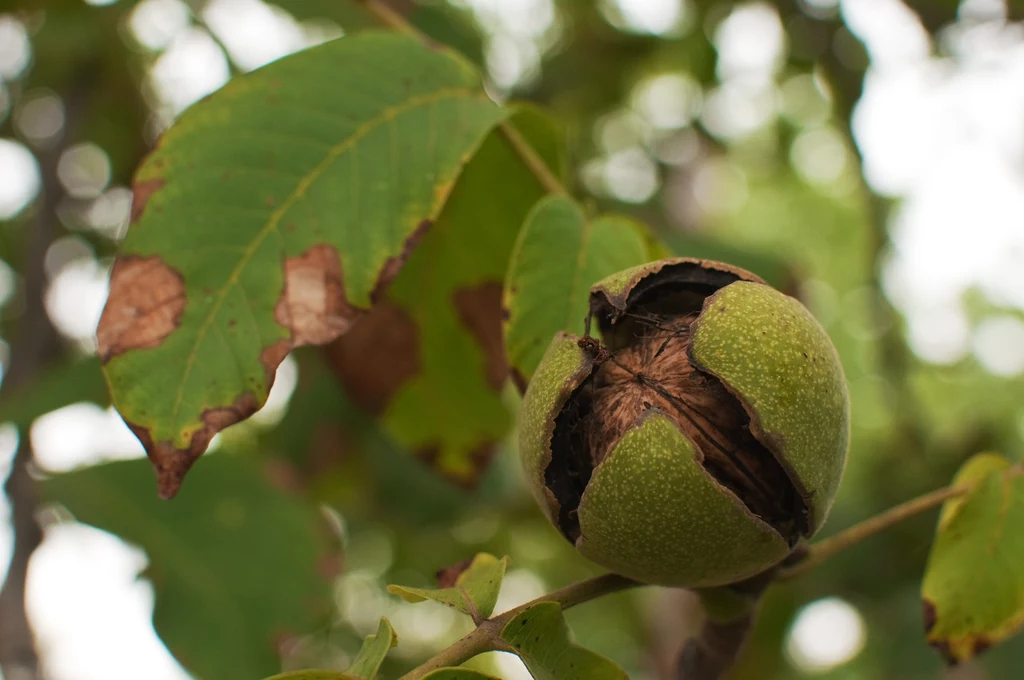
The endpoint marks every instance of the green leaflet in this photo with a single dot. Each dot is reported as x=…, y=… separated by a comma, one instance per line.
x=559, y=254
x=213, y=556
x=474, y=592
x=372, y=654
x=366, y=665
x=973, y=588
x=540, y=636
x=274, y=214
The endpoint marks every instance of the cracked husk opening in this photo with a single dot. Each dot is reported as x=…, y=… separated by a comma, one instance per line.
x=649, y=368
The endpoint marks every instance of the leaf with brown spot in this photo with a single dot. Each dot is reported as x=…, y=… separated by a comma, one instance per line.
x=431, y=360
x=973, y=589
x=262, y=226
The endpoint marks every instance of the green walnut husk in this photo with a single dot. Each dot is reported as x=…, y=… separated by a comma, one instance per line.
x=701, y=438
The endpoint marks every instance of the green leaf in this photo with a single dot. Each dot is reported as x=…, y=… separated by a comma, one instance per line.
x=973, y=588
x=238, y=554
x=474, y=592
x=559, y=254
x=430, y=360
x=457, y=674
x=540, y=636
x=372, y=654
x=274, y=214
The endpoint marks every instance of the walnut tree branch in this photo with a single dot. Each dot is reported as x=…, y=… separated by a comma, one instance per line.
x=486, y=637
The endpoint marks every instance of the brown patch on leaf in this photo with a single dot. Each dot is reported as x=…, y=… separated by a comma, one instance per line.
x=929, y=614
x=141, y=193
x=479, y=310
x=313, y=304
x=272, y=356
x=447, y=576
x=394, y=264
x=145, y=304
x=377, y=356
x=172, y=463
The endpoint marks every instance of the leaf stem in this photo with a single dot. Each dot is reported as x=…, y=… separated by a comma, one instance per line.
x=527, y=154
x=822, y=550
x=531, y=159
x=486, y=637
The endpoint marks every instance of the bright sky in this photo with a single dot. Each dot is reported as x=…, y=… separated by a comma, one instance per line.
x=945, y=137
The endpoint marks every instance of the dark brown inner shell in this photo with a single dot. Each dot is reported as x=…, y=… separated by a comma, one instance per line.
x=648, y=368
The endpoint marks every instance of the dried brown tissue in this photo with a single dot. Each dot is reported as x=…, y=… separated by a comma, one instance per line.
x=145, y=304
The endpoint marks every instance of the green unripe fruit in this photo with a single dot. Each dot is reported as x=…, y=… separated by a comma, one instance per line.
x=701, y=439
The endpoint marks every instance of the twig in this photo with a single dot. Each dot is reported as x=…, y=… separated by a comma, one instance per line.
x=530, y=158
x=822, y=550
x=486, y=637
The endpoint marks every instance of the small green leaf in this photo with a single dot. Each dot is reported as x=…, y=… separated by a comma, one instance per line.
x=559, y=254
x=540, y=636
x=973, y=587
x=457, y=674
x=371, y=656
x=475, y=591
x=212, y=557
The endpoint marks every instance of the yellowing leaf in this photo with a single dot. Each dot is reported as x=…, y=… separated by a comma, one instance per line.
x=973, y=588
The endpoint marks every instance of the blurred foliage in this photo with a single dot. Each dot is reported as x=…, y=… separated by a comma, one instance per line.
x=914, y=422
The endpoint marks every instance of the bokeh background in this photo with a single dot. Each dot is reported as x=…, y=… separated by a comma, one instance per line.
x=864, y=155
